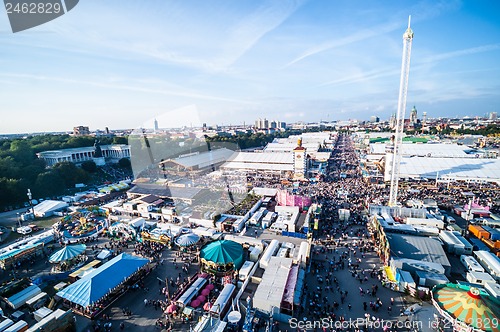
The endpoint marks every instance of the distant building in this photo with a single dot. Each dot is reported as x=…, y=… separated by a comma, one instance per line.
x=266, y=124
x=48, y=208
x=392, y=121
x=374, y=118
x=493, y=116
x=197, y=162
x=276, y=163
x=156, y=125
x=81, y=131
x=111, y=154
x=413, y=116
x=285, y=158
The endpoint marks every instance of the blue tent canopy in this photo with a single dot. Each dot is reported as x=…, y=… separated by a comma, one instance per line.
x=67, y=252
x=98, y=283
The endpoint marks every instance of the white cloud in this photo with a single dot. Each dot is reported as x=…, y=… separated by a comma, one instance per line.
x=459, y=53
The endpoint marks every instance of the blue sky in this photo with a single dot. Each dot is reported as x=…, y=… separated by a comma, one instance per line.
x=121, y=63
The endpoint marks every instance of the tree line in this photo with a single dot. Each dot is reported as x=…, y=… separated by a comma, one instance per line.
x=249, y=140
x=20, y=168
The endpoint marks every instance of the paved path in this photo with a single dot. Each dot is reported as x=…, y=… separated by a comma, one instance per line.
x=351, y=285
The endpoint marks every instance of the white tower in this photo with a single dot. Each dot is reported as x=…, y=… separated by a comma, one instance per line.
x=299, y=160
x=403, y=90
x=413, y=116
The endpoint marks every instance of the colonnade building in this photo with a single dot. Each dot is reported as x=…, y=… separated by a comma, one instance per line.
x=108, y=154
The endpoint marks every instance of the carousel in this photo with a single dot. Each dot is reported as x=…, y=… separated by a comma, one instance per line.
x=68, y=257
x=467, y=308
x=187, y=240
x=222, y=257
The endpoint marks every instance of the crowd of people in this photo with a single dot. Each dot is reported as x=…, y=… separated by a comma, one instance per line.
x=345, y=279
x=149, y=249
x=341, y=188
x=347, y=282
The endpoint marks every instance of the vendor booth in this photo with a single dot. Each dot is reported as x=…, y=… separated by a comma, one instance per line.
x=91, y=294
x=19, y=253
x=84, y=270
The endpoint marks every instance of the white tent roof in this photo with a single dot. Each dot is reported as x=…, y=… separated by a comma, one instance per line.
x=433, y=150
x=270, y=290
x=265, y=191
x=259, y=166
x=275, y=161
x=49, y=206
x=204, y=159
x=453, y=168
x=289, y=146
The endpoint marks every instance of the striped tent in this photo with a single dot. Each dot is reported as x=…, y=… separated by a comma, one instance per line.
x=67, y=253
x=467, y=308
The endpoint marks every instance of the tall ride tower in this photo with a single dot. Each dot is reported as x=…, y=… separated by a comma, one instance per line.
x=400, y=117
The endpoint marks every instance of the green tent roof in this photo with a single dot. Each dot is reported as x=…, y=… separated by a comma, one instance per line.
x=405, y=139
x=223, y=252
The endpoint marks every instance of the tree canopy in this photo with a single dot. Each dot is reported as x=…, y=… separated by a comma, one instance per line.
x=20, y=168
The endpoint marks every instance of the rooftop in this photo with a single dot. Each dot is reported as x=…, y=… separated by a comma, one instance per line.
x=454, y=168
x=165, y=191
x=417, y=247
x=276, y=161
x=203, y=159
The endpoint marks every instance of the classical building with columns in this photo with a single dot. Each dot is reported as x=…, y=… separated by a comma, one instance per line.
x=111, y=154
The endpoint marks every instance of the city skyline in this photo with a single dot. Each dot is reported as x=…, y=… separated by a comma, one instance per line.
x=120, y=64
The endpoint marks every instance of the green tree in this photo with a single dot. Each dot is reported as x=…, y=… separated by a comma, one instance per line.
x=70, y=174
x=5, y=146
x=9, y=168
x=48, y=184
x=124, y=163
x=21, y=151
x=79, y=142
x=89, y=166
x=120, y=140
x=30, y=172
x=11, y=191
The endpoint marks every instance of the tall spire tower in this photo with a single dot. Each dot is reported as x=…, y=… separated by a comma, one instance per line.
x=400, y=117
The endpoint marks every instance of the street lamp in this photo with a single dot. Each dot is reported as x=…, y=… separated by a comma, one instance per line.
x=468, y=216
x=31, y=203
